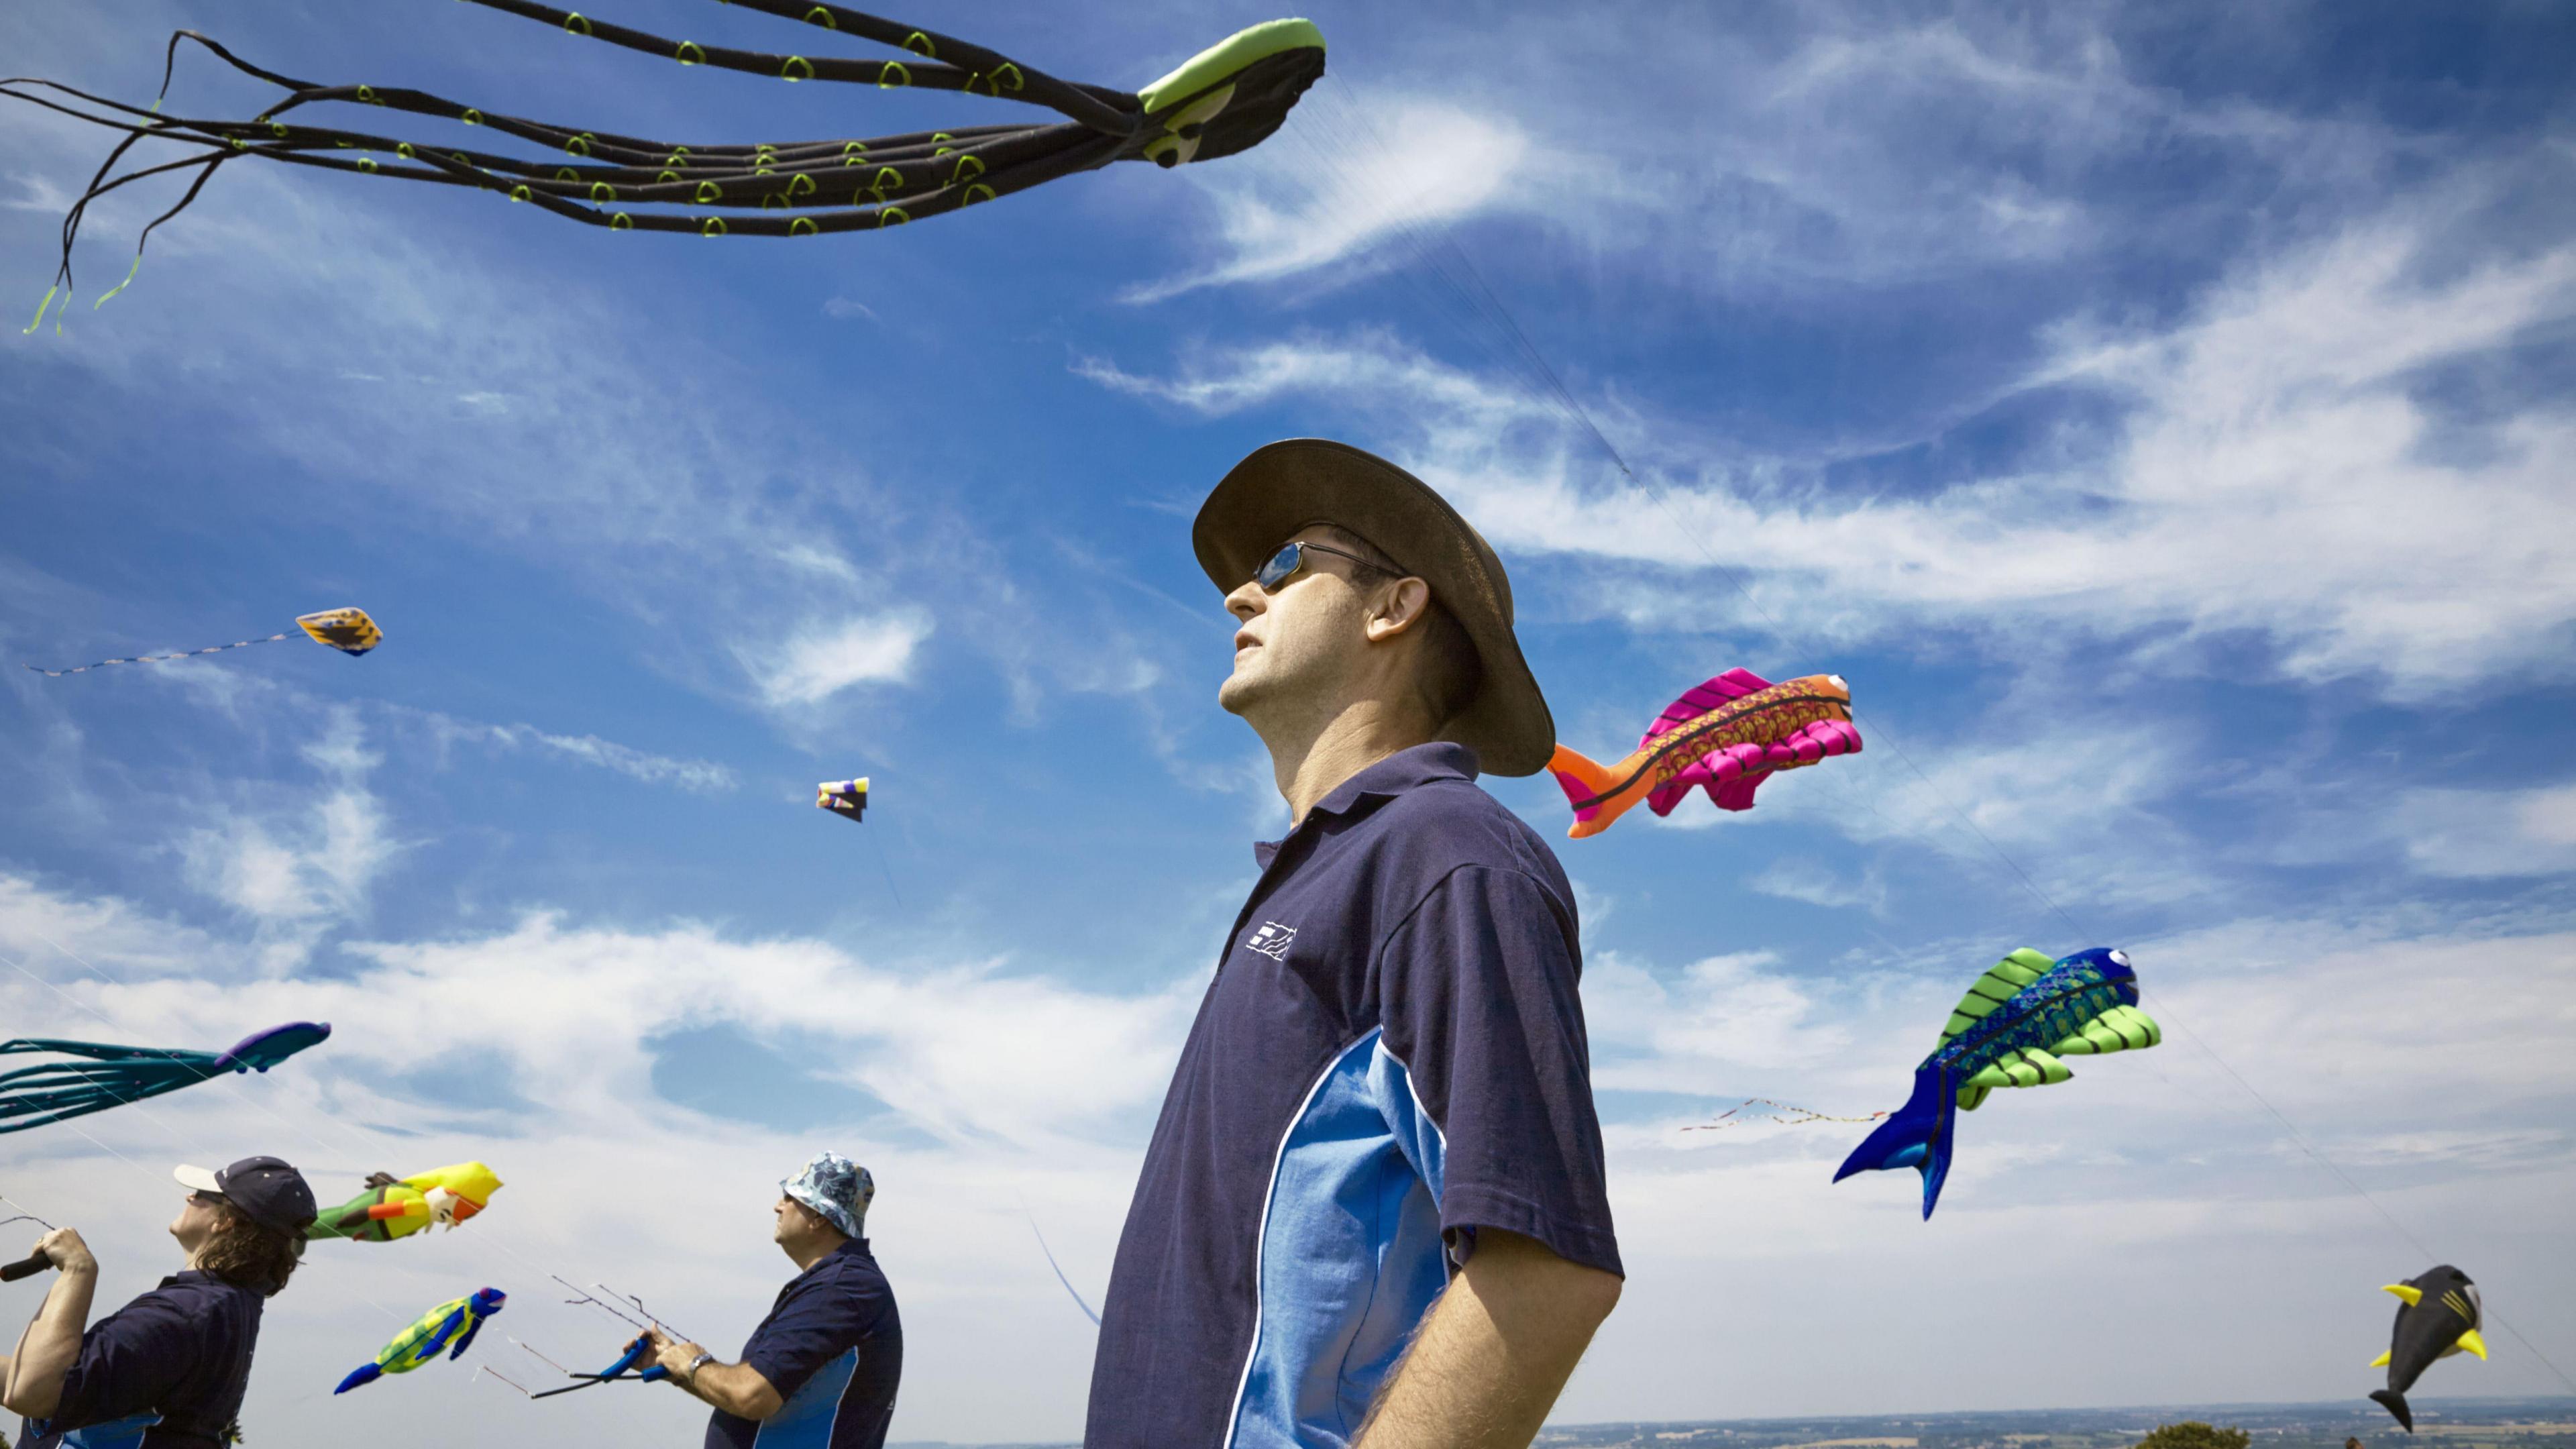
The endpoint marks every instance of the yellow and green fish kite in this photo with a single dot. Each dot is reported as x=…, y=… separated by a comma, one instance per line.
x=450, y=1326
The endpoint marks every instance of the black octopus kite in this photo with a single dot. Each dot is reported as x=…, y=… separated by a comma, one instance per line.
x=1225, y=99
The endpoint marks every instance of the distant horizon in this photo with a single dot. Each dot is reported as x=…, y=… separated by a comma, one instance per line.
x=2417, y=1400
x=2421, y=1403
x=2424, y=1406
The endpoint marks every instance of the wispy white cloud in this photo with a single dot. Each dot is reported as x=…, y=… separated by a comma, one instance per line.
x=1818, y=885
x=298, y=868
x=2281, y=421
x=1847, y=148
x=37, y=921
x=961, y=1051
x=626, y=760
x=1282, y=214
x=1726, y=1012
x=1368, y=363
x=823, y=659
x=38, y=193
x=700, y=775
x=2487, y=833
x=2489, y=1148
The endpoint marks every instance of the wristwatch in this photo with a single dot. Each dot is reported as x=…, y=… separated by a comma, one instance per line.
x=695, y=1364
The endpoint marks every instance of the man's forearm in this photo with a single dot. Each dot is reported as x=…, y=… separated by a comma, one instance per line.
x=1494, y=1351
x=736, y=1388
x=34, y=1383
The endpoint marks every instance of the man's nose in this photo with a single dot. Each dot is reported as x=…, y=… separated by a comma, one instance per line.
x=1245, y=601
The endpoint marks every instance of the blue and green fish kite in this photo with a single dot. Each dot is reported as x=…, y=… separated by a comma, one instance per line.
x=2009, y=1031
x=450, y=1326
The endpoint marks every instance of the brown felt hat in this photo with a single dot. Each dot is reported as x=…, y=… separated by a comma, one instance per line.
x=1285, y=486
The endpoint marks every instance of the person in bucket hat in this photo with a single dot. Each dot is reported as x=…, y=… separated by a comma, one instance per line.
x=1373, y=1209
x=822, y=1369
x=836, y=1188
x=170, y=1369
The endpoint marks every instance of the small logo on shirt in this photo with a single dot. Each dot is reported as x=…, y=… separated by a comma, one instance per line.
x=1271, y=940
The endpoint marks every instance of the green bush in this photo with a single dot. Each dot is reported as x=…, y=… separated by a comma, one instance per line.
x=2193, y=1434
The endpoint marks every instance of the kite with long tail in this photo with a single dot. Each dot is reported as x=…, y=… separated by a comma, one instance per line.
x=1223, y=100
x=348, y=630
x=103, y=1076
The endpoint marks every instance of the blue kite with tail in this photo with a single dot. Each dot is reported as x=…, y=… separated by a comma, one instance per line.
x=2009, y=1031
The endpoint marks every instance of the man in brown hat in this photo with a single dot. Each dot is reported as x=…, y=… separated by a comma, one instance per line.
x=1373, y=1210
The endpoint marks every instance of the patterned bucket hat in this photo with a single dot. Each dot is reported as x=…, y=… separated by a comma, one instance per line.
x=837, y=1189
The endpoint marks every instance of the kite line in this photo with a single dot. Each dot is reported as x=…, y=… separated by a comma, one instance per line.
x=1781, y=1112
x=1058, y=1267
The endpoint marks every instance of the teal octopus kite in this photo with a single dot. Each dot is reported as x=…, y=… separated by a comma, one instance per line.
x=100, y=1077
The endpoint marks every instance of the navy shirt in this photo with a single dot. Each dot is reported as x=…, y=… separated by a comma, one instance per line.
x=833, y=1348
x=1391, y=1056
x=181, y=1351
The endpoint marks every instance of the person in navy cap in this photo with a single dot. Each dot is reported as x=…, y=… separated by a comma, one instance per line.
x=168, y=1370
x=820, y=1371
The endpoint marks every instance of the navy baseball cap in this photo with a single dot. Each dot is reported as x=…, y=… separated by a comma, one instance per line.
x=267, y=1191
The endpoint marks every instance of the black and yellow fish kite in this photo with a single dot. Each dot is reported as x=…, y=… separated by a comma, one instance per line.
x=2438, y=1315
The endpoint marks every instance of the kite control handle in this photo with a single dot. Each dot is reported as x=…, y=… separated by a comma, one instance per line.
x=27, y=1267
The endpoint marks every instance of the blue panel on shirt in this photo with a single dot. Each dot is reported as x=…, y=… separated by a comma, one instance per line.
x=805, y=1421
x=114, y=1434
x=1350, y=1254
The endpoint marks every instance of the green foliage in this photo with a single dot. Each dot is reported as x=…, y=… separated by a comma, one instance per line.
x=2193, y=1434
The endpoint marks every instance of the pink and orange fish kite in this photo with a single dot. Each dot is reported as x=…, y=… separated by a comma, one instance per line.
x=1727, y=735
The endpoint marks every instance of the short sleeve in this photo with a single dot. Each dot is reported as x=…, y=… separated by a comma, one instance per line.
x=1479, y=994
x=817, y=1323
x=127, y=1361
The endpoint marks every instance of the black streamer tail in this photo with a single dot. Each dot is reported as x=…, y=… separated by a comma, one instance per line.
x=622, y=182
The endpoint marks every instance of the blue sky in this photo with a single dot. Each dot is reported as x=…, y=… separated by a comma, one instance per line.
x=2159, y=414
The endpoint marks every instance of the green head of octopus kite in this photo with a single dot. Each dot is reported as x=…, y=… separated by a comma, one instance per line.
x=1224, y=100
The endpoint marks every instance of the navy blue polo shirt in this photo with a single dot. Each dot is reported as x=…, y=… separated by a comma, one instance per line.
x=1391, y=1056
x=181, y=1351
x=833, y=1348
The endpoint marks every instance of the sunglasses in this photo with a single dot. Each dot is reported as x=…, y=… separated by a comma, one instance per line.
x=1283, y=565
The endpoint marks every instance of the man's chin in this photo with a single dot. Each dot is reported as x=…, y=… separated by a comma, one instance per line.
x=1237, y=693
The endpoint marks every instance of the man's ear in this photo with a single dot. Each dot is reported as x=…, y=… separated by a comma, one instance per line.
x=1399, y=607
